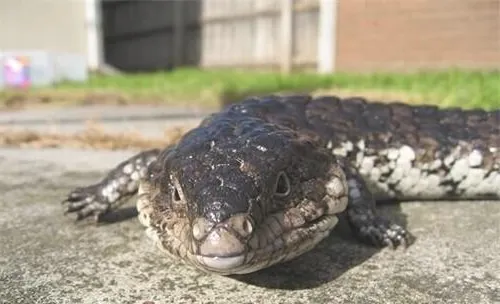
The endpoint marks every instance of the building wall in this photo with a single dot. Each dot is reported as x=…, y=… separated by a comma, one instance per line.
x=52, y=25
x=412, y=34
x=371, y=34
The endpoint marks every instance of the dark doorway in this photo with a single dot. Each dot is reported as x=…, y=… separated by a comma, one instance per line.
x=140, y=35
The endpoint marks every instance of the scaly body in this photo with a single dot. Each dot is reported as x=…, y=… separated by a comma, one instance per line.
x=263, y=181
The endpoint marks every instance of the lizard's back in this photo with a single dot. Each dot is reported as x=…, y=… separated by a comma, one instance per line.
x=402, y=151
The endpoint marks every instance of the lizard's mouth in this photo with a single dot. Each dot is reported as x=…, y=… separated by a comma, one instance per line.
x=273, y=242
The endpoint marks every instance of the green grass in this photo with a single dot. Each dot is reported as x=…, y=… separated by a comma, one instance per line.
x=466, y=89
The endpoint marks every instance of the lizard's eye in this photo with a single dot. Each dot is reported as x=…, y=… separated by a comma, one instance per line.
x=178, y=200
x=282, y=185
x=176, y=197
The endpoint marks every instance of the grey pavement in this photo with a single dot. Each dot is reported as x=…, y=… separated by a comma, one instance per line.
x=46, y=257
x=148, y=120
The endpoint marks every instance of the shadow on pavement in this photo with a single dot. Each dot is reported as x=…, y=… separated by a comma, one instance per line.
x=118, y=215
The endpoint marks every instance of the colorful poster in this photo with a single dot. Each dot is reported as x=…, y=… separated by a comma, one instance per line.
x=16, y=71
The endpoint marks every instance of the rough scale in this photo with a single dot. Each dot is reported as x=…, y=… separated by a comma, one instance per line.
x=263, y=181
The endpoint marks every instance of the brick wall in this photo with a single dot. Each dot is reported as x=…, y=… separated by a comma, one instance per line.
x=412, y=34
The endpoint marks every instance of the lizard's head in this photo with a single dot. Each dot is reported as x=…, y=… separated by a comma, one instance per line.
x=238, y=195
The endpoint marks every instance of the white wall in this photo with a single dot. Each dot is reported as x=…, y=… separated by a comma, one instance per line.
x=52, y=25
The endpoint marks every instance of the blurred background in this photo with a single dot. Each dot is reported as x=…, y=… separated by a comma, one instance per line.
x=209, y=53
x=316, y=35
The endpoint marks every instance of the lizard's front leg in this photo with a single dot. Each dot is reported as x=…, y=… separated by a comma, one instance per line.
x=363, y=218
x=121, y=182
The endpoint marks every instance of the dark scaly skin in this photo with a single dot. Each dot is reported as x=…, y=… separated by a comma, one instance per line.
x=221, y=176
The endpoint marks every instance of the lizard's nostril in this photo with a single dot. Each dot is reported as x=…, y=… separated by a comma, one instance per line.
x=241, y=224
x=200, y=229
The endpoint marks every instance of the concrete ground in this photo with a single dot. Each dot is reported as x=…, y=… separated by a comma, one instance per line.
x=46, y=257
x=149, y=120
